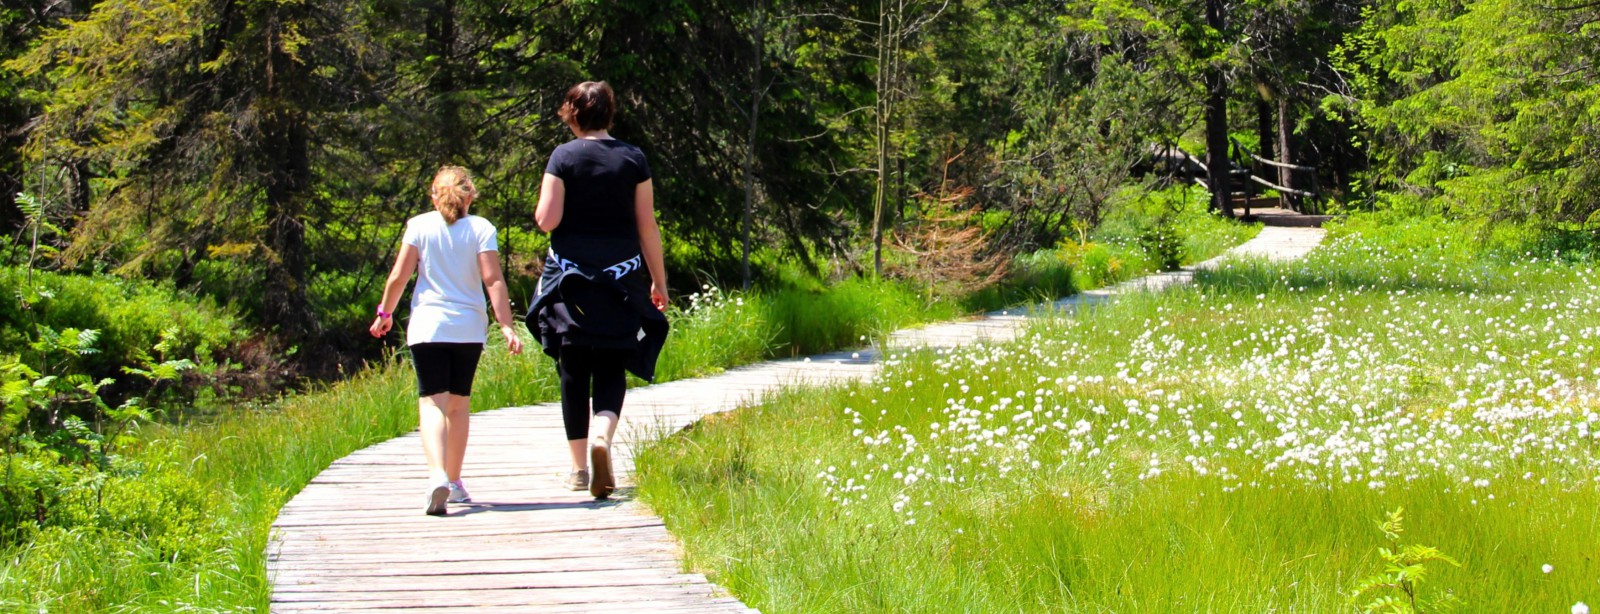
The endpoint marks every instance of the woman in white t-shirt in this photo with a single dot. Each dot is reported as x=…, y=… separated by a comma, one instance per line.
x=455, y=258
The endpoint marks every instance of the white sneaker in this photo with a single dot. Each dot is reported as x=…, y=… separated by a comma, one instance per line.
x=436, y=499
x=458, y=493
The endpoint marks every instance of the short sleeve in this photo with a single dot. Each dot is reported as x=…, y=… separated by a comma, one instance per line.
x=558, y=164
x=411, y=236
x=644, y=166
x=486, y=238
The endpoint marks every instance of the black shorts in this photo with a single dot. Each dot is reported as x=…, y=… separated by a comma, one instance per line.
x=445, y=367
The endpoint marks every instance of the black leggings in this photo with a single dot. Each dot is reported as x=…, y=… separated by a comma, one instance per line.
x=580, y=366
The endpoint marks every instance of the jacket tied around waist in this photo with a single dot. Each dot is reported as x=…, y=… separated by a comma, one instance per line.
x=578, y=303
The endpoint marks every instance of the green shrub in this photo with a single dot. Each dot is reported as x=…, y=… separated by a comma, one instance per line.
x=1172, y=227
x=1037, y=276
x=32, y=483
x=1105, y=264
x=130, y=315
x=1162, y=242
x=157, y=504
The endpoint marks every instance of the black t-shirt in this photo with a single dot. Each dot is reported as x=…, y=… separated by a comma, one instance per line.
x=600, y=177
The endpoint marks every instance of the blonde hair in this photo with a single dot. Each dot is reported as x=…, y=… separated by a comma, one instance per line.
x=452, y=191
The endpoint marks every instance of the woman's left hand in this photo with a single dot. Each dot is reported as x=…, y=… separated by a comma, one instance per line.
x=513, y=340
x=658, y=296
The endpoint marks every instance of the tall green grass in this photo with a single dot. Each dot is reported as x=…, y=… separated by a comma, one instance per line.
x=1229, y=447
x=809, y=320
x=186, y=527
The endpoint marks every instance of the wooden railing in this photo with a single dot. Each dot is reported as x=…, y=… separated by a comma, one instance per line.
x=1245, y=180
x=1301, y=200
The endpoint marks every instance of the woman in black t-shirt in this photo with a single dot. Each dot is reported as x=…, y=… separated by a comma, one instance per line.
x=598, y=204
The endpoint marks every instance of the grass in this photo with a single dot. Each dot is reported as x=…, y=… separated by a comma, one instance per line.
x=1227, y=447
x=184, y=524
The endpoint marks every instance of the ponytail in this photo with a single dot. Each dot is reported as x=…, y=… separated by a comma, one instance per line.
x=452, y=192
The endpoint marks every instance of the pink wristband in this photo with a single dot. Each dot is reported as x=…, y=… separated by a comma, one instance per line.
x=384, y=314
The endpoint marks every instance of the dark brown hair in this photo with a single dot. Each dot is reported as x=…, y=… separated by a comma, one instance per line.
x=589, y=105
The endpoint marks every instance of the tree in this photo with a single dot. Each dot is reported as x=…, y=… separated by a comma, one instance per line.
x=758, y=90
x=21, y=23
x=1288, y=57
x=1218, y=168
x=1484, y=109
x=900, y=22
x=202, y=115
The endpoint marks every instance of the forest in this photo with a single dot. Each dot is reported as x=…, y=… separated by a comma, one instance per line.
x=199, y=198
x=264, y=154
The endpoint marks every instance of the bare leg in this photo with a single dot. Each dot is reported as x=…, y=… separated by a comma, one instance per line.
x=604, y=426
x=431, y=414
x=580, y=453
x=457, y=421
x=601, y=481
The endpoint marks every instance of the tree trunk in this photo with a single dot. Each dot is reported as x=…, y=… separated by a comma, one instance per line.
x=286, y=170
x=1285, y=155
x=287, y=175
x=1216, y=108
x=78, y=175
x=443, y=82
x=881, y=119
x=1217, y=144
x=750, y=141
x=1266, y=136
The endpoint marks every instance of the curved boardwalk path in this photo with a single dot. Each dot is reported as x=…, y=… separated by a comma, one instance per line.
x=356, y=540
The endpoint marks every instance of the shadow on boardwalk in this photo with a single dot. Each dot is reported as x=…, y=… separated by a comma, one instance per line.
x=355, y=538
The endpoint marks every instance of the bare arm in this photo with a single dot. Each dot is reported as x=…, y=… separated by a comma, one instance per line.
x=644, y=214
x=552, y=203
x=405, y=263
x=499, y=297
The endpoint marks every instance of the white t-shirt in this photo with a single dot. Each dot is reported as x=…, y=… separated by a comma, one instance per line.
x=447, y=304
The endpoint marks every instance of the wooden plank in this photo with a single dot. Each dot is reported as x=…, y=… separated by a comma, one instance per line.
x=642, y=578
x=547, y=563
x=595, y=599
x=708, y=605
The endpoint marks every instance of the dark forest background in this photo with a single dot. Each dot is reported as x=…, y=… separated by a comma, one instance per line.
x=265, y=153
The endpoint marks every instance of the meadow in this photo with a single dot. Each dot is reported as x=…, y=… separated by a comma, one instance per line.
x=1232, y=446
x=177, y=517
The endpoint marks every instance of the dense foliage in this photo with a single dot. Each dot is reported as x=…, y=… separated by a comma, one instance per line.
x=276, y=145
x=265, y=152
x=1484, y=108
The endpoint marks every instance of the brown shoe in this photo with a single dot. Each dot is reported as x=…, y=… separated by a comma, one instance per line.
x=577, y=480
x=600, y=463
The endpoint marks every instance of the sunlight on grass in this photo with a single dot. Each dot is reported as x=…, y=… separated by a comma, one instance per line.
x=1226, y=447
x=189, y=528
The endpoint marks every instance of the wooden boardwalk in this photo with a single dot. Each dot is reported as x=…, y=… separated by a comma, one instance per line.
x=355, y=539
